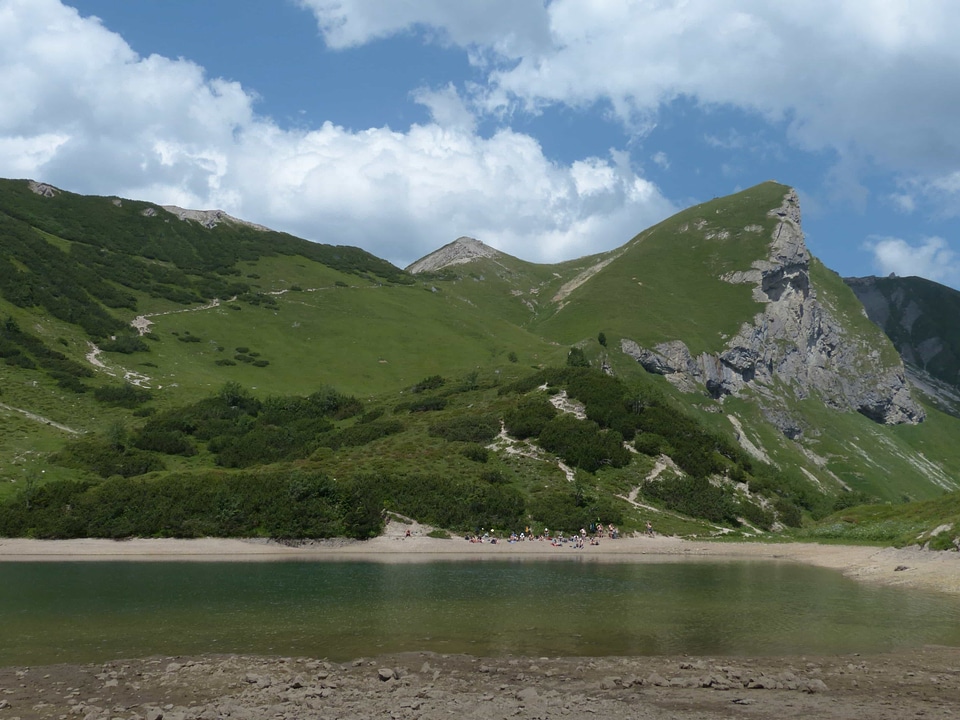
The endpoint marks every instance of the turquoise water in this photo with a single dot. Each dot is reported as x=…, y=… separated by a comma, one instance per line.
x=93, y=611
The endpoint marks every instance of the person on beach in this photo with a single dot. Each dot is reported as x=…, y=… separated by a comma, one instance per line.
x=649, y=529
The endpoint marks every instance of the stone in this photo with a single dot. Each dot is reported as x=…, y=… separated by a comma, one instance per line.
x=385, y=674
x=527, y=695
x=815, y=685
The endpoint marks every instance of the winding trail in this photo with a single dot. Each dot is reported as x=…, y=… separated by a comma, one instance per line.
x=40, y=419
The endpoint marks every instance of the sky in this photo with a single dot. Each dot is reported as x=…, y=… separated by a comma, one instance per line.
x=549, y=129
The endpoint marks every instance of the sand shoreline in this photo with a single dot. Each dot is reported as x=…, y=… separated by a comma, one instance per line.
x=907, y=567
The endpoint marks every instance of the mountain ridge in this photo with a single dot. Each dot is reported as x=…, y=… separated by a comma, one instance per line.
x=771, y=352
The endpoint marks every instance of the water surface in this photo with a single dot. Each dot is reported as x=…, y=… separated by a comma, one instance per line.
x=94, y=611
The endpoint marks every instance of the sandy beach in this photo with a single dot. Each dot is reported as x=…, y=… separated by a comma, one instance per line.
x=907, y=567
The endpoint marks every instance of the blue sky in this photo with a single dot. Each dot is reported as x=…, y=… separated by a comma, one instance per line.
x=549, y=130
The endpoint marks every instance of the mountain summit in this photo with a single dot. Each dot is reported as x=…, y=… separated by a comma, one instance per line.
x=800, y=339
x=460, y=251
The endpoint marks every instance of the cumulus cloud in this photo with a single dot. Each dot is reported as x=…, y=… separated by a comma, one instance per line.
x=82, y=110
x=931, y=259
x=874, y=81
x=508, y=27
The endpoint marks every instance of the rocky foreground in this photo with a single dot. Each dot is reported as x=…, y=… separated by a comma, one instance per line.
x=923, y=682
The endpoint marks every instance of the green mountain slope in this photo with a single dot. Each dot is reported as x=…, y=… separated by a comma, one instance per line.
x=748, y=386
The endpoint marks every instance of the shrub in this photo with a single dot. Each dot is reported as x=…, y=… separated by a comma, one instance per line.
x=428, y=404
x=477, y=453
x=126, y=343
x=583, y=444
x=693, y=496
x=126, y=395
x=360, y=434
x=529, y=417
x=649, y=444
x=467, y=428
x=576, y=358
x=371, y=415
x=428, y=383
x=788, y=513
x=224, y=362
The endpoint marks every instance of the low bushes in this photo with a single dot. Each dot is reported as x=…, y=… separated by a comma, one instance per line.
x=294, y=504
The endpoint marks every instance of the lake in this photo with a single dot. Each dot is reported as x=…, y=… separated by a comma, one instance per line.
x=94, y=611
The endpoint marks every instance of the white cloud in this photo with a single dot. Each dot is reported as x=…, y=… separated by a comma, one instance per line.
x=877, y=82
x=931, y=259
x=508, y=27
x=83, y=111
x=447, y=108
x=903, y=202
x=660, y=158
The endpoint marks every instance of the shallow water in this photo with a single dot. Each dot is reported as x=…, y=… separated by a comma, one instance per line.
x=94, y=611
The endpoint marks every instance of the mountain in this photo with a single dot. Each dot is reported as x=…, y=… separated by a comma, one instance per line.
x=742, y=384
x=921, y=319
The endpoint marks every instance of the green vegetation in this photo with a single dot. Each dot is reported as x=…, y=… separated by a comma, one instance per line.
x=427, y=371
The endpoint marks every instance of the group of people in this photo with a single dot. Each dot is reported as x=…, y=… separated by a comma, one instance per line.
x=576, y=540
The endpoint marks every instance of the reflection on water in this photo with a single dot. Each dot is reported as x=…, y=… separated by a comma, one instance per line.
x=77, y=612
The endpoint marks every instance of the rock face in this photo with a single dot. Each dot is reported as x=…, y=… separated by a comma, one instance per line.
x=795, y=341
x=922, y=320
x=211, y=218
x=460, y=251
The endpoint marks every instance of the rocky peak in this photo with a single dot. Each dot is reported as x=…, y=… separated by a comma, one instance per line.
x=211, y=218
x=43, y=189
x=795, y=341
x=460, y=251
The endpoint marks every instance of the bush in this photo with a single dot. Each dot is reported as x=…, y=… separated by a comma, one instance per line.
x=477, y=453
x=126, y=395
x=693, y=496
x=583, y=444
x=428, y=383
x=285, y=504
x=788, y=513
x=467, y=428
x=529, y=417
x=360, y=434
x=125, y=343
x=649, y=444
x=429, y=404
x=576, y=358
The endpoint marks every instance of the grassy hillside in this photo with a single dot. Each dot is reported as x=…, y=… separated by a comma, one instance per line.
x=666, y=284
x=86, y=397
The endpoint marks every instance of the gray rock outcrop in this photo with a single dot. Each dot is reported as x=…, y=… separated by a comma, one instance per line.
x=460, y=251
x=795, y=341
x=211, y=218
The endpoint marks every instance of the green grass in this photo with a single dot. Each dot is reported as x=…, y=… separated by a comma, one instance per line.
x=897, y=524
x=375, y=338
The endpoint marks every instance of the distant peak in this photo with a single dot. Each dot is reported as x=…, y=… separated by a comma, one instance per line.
x=210, y=218
x=460, y=251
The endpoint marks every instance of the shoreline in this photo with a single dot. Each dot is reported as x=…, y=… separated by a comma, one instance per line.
x=906, y=567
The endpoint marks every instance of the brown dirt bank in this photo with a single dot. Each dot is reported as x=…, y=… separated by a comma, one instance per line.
x=922, y=682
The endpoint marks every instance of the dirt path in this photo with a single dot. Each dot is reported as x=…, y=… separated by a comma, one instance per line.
x=40, y=419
